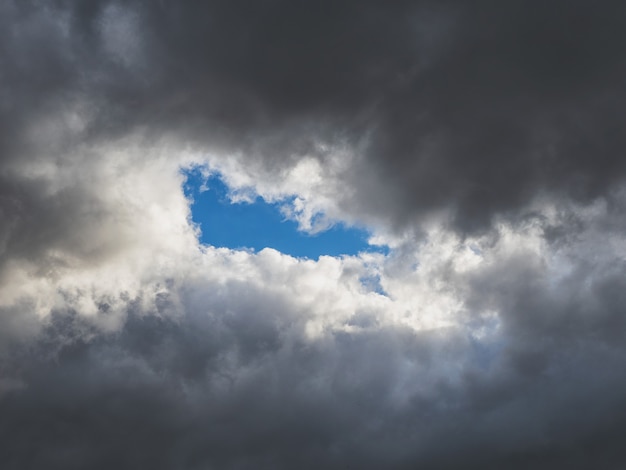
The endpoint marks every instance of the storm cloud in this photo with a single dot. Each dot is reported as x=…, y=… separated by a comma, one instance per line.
x=481, y=141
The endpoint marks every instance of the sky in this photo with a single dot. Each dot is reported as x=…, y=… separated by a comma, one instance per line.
x=332, y=234
x=256, y=224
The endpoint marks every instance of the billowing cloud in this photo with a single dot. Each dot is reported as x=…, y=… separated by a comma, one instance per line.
x=481, y=142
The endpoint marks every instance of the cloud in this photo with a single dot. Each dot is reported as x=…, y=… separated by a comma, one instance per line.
x=226, y=373
x=235, y=360
x=482, y=142
x=470, y=109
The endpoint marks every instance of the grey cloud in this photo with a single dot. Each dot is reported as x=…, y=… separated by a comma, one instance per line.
x=470, y=107
x=230, y=380
x=186, y=393
x=512, y=99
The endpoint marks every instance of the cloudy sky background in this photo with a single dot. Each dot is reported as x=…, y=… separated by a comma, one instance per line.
x=482, y=142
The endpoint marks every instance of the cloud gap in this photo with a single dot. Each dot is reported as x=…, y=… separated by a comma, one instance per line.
x=226, y=219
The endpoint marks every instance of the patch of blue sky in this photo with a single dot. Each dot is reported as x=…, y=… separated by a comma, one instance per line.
x=258, y=224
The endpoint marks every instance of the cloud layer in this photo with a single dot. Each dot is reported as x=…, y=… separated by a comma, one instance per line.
x=482, y=142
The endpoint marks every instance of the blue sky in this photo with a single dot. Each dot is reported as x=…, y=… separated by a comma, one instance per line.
x=260, y=224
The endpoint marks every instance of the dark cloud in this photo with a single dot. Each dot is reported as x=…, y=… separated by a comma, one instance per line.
x=231, y=380
x=475, y=107
x=505, y=102
x=186, y=393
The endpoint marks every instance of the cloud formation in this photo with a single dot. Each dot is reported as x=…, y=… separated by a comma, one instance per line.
x=482, y=142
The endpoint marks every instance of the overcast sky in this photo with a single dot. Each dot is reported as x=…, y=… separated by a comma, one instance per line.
x=482, y=142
